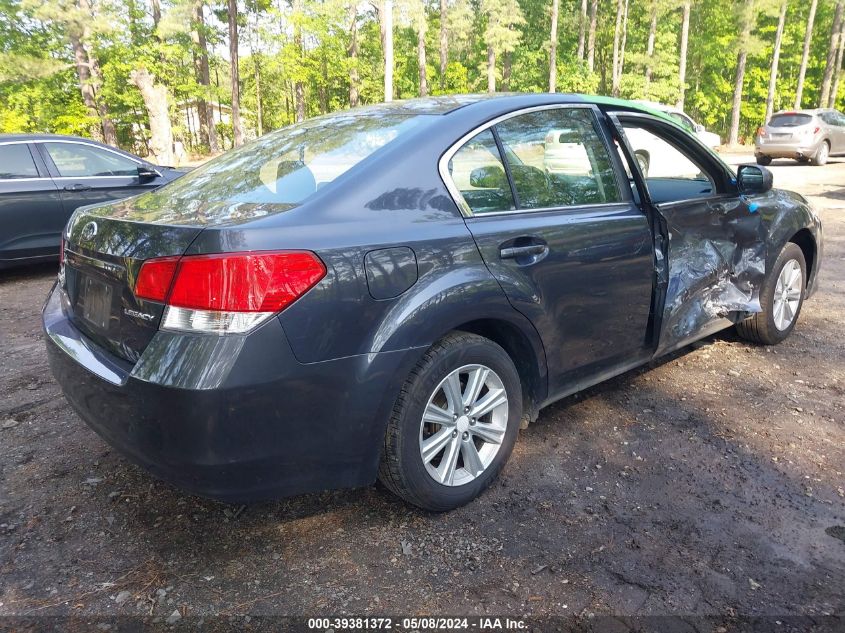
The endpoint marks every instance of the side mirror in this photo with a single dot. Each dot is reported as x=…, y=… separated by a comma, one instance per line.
x=146, y=174
x=488, y=177
x=753, y=179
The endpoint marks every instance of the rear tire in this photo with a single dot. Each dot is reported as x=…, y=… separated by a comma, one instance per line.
x=769, y=327
x=764, y=160
x=822, y=154
x=430, y=392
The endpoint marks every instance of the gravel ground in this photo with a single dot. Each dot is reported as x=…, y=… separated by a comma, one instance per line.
x=709, y=483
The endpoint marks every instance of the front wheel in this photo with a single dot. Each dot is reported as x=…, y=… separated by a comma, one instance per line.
x=764, y=160
x=781, y=298
x=454, y=424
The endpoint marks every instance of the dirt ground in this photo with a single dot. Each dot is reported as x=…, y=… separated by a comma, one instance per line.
x=710, y=483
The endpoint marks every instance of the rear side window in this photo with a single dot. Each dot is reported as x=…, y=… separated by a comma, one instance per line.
x=557, y=159
x=74, y=160
x=291, y=164
x=790, y=120
x=479, y=175
x=16, y=162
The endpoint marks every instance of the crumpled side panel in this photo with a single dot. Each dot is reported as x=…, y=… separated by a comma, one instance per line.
x=715, y=272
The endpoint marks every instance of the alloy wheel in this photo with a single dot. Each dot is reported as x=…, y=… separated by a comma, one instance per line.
x=787, y=297
x=463, y=425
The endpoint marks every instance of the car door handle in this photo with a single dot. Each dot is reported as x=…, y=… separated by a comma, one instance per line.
x=512, y=252
x=77, y=186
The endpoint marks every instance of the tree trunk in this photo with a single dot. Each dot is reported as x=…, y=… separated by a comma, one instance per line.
x=582, y=30
x=352, y=51
x=624, y=41
x=259, y=109
x=837, y=73
x=682, y=55
x=85, y=87
x=208, y=133
x=832, y=49
x=617, y=36
x=421, y=63
x=591, y=36
x=156, y=12
x=444, y=43
x=88, y=73
x=387, y=45
x=773, y=74
x=237, y=129
x=507, y=65
x=649, y=52
x=553, y=48
x=491, y=68
x=808, y=38
x=748, y=21
x=299, y=86
x=155, y=101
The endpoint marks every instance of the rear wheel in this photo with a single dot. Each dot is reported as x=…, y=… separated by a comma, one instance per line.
x=821, y=155
x=764, y=160
x=454, y=424
x=781, y=298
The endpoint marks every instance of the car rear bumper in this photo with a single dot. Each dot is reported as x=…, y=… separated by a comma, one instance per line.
x=786, y=150
x=233, y=418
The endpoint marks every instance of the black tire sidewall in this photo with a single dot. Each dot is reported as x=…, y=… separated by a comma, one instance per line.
x=789, y=252
x=433, y=495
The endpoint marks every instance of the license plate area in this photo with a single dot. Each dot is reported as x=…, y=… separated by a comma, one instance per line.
x=782, y=137
x=96, y=302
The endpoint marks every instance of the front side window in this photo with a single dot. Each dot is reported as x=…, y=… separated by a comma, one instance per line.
x=671, y=172
x=556, y=158
x=74, y=160
x=16, y=162
x=478, y=173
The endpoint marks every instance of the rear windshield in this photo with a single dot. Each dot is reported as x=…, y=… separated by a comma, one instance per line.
x=790, y=120
x=289, y=165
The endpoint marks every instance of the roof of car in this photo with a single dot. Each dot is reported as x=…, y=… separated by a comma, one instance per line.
x=43, y=137
x=445, y=104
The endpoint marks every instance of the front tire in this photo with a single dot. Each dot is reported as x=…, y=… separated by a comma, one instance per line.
x=454, y=423
x=781, y=298
x=764, y=160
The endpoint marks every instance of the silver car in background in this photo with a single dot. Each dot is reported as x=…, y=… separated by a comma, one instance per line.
x=804, y=135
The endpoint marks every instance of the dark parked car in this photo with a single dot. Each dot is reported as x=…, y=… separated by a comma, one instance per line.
x=388, y=292
x=44, y=178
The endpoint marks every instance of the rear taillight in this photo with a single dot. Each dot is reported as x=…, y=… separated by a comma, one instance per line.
x=816, y=131
x=228, y=292
x=155, y=278
x=761, y=131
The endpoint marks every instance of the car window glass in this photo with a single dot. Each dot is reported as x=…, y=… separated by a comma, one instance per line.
x=683, y=120
x=478, y=173
x=790, y=119
x=671, y=173
x=839, y=119
x=74, y=160
x=16, y=162
x=557, y=159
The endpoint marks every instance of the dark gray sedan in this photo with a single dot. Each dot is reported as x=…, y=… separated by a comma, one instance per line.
x=390, y=291
x=45, y=177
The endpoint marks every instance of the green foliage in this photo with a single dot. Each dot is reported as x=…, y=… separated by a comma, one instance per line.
x=40, y=89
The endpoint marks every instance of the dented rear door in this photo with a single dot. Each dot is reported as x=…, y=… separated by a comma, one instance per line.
x=710, y=242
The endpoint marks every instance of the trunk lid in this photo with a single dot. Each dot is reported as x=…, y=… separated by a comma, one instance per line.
x=103, y=255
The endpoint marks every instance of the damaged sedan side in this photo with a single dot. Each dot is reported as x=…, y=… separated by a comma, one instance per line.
x=390, y=292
